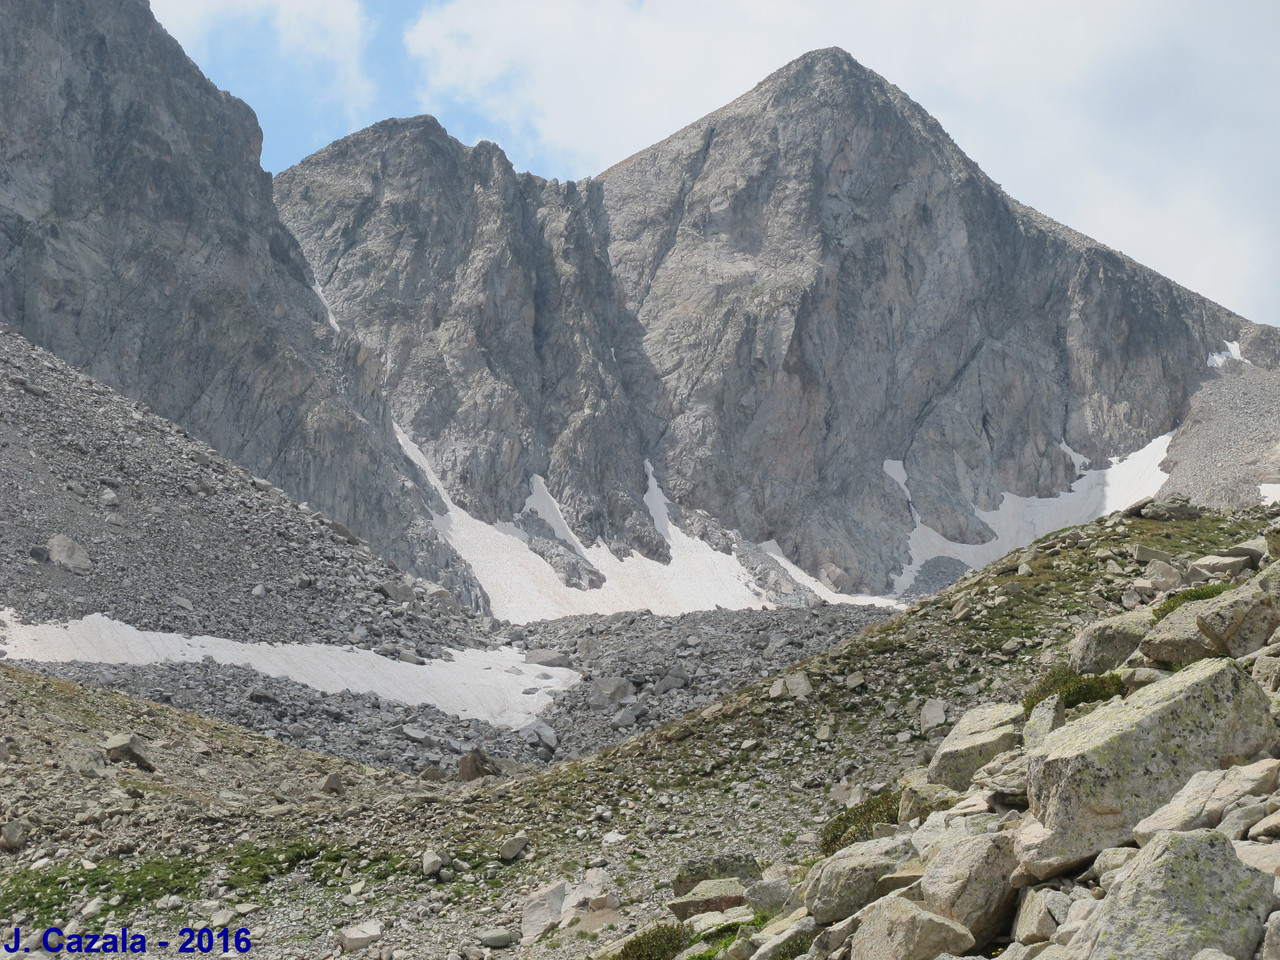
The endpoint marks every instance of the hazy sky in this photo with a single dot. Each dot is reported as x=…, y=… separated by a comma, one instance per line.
x=1151, y=125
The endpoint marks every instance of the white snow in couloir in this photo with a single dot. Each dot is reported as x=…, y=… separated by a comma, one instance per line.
x=522, y=587
x=1020, y=520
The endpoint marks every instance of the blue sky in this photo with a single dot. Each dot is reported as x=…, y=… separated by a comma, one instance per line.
x=1151, y=125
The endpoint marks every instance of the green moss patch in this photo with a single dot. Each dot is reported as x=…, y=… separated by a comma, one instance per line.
x=855, y=824
x=1074, y=688
x=1205, y=592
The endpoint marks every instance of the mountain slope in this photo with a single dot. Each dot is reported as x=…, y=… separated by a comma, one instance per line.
x=814, y=316
x=139, y=241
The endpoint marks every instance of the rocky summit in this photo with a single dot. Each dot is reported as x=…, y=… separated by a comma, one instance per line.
x=411, y=557
x=820, y=322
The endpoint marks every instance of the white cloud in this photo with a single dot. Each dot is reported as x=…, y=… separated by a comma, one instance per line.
x=332, y=33
x=1150, y=124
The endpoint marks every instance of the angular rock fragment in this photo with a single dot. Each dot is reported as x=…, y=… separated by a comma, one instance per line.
x=128, y=747
x=1184, y=893
x=1206, y=796
x=894, y=928
x=68, y=554
x=708, y=896
x=1091, y=782
x=968, y=882
x=845, y=882
x=1104, y=645
x=981, y=735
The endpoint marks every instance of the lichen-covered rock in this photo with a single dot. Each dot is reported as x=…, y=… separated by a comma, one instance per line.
x=1178, y=637
x=1092, y=781
x=1206, y=796
x=1005, y=775
x=950, y=826
x=1046, y=716
x=691, y=872
x=1039, y=915
x=968, y=882
x=1104, y=645
x=1184, y=893
x=921, y=798
x=894, y=928
x=1239, y=621
x=844, y=883
x=708, y=896
x=981, y=735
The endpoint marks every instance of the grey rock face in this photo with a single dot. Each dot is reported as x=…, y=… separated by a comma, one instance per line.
x=768, y=305
x=139, y=241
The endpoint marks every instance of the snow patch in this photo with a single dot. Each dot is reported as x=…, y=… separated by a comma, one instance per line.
x=522, y=587
x=333, y=321
x=817, y=586
x=897, y=472
x=1079, y=459
x=1231, y=353
x=474, y=685
x=1270, y=493
x=544, y=504
x=1020, y=520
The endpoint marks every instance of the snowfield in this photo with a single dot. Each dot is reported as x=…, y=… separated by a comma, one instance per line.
x=488, y=685
x=523, y=587
x=1020, y=520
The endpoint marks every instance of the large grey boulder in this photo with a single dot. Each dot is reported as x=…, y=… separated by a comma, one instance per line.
x=1040, y=913
x=1104, y=645
x=1184, y=893
x=1207, y=795
x=1240, y=621
x=1092, y=781
x=894, y=928
x=542, y=910
x=68, y=554
x=968, y=882
x=1178, y=638
x=982, y=734
x=845, y=882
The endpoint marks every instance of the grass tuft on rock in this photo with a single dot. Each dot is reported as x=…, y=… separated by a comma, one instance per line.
x=657, y=943
x=855, y=824
x=1203, y=592
x=1075, y=688
x=795, y=947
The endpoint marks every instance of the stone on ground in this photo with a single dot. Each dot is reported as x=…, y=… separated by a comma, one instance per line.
x=128, y=748
x=1091, y=782
x=981, y=734
x=360, y=935
x=845, y=882
x=1206, y=796
x=68, y=554
x=968, y=882
x=709, y=896
x=694, y=870
x=1178, y=637
x=1104, y=645
x=542, y=910
x=894, y=928
x=1184, y=893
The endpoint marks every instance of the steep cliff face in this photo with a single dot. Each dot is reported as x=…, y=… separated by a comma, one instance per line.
x=828, y=283
x=489, y=295
x=139, y=240
x=814, y=315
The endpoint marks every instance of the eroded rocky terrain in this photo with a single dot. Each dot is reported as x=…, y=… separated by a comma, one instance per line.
x=208, y=823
